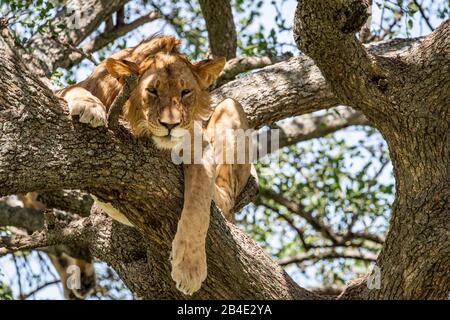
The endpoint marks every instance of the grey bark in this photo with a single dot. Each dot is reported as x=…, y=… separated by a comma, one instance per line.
x=406, y=97
x=304, y=128
x=221, y=29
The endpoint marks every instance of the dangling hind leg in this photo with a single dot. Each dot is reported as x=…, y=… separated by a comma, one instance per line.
x=231, y=175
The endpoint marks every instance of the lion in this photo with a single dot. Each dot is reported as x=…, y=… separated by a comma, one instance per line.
x=170, y=98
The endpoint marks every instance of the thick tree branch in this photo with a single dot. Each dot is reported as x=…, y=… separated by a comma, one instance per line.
x=120, y=16
x=406, y=97
x=240, y=65
x=70, y=233
x=291, y=88
x=429, y=57
x=325, y=31
x=221, y=29
x=309, y=127
x=28, y=219
x=119, y=169
x=330, y=40
x=67, y=200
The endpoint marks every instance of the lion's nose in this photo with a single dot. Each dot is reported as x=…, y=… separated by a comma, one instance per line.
x=169, y=126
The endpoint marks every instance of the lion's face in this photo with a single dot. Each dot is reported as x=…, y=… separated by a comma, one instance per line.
x=170, y=96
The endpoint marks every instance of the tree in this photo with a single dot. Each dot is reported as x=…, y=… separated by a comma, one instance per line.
x=399, y=87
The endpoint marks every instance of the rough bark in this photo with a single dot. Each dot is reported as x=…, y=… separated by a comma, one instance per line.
x=67, y=200
x=236, y=66
x=221, y=29
x=406, y=97
x=28, y=219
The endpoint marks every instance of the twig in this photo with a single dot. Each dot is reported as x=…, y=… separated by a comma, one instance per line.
x=291, y=224
x=119, y=101
x=328, y=255
x=3, y=22
x=298, y=209
x=26, y=296
x=427, y=21
x=19, y=279
x=111, y=33
x=75, y=49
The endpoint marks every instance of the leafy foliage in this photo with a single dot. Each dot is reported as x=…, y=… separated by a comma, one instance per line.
x=337, y=181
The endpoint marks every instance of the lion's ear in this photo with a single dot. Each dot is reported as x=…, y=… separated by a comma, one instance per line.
x=208, y=71
x=121, y=68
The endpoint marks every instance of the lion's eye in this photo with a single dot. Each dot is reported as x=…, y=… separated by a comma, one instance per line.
x=153, y=91
x=185, y=92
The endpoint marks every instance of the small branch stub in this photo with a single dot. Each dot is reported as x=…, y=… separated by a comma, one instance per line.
x=119, y=101
x=3, y=22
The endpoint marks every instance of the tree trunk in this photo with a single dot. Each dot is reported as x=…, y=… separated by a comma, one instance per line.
x=407, y=98
x=220, y=25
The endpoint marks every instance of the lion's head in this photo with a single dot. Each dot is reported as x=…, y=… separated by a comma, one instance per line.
x=171, y=93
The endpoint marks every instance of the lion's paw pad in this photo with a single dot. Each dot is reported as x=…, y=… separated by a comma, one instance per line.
x=188, y=268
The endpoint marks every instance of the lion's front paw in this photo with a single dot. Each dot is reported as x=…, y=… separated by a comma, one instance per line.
x=89, y=110
x=188, y=265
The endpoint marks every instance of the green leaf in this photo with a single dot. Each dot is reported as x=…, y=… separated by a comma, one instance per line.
x=412, y=8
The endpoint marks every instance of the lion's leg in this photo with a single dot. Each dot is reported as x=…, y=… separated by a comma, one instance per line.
x=30, y=200
x=231, y=177
x=77, y=275
x=84, y=104
x=188, y=247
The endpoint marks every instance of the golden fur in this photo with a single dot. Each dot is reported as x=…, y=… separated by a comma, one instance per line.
x=171, y=94
x=159, y=65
